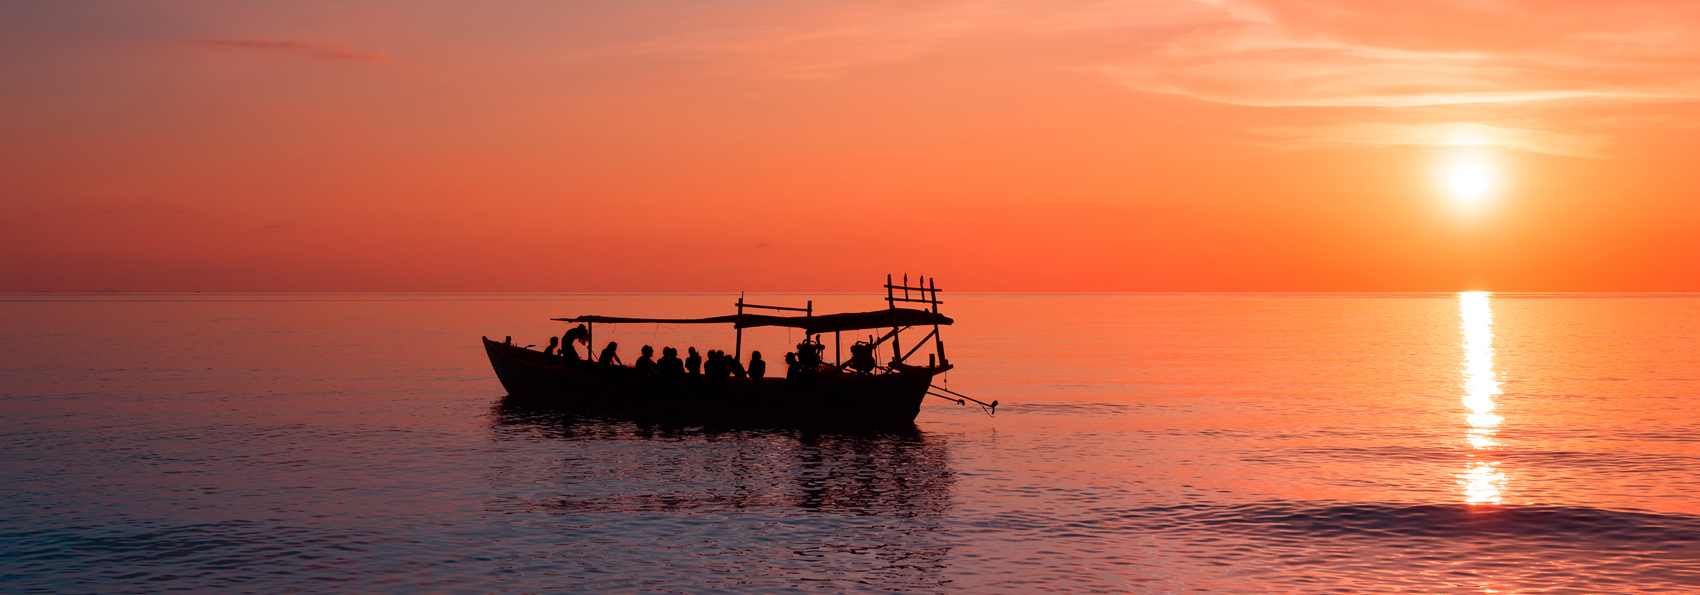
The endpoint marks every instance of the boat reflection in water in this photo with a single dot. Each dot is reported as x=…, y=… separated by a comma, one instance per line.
x=723, y=503
x=1482, y=482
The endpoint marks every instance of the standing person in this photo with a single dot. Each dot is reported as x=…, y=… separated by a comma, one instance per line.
x=645, y=364
x=578, y=333
x=609, y=357
x=758, y=368
x=693, y=364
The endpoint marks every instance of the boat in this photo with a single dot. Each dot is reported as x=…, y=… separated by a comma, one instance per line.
x=860, y=390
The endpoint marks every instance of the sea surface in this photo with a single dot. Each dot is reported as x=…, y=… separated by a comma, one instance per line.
x=1221, y=443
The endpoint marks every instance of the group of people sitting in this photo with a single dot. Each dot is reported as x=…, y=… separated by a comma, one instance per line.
x=670, y=366
x=801, y=366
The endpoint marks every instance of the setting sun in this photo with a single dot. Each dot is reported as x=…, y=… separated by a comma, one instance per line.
x=1273, y=296
x=1469, y=182
x=1159, y=145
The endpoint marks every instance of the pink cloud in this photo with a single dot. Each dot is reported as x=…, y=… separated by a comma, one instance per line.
x=324, y=51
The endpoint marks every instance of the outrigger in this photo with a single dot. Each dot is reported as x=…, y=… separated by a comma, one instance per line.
x=859, y=390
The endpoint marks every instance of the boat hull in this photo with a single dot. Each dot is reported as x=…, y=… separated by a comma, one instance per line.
x=884, y=399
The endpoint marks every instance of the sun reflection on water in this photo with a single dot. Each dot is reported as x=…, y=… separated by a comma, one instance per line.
x=1483, y=482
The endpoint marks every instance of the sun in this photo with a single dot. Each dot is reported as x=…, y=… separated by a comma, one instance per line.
x=1469, y=181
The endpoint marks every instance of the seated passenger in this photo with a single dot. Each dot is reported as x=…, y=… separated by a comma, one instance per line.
x=693, y=364
x=608, y=357
x=758, y=368
x=670, y=367
x=551, y=349
x=735, y=368
x=715, y=367
x=645, y=364
x=799, y=372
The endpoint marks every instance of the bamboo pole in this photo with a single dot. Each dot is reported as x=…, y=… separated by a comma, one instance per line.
x=938, y=339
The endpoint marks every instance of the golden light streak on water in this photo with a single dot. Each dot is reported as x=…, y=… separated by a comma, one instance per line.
x=1483, y=483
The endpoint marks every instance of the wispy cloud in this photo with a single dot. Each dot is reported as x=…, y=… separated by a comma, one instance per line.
x=304, y=49
x=1372, y=53
x=1449, y=134
x=1246, y=52
x=1509, y=73
x=825, y=39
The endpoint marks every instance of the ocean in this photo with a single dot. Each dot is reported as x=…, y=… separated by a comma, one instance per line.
x=1153, y=443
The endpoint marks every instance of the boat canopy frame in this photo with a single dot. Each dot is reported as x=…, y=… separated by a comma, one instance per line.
x=825, y=323
x=893, y=317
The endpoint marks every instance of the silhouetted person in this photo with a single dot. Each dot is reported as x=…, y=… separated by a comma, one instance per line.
x=645, y=364
x=693, y=364
x=715, y=367
x=608, y=357
x=550, y=350
x=758, y=368
x=735, y=368
x=670, y=367
x=577, y=333
x=802, y=370
x=509, y=340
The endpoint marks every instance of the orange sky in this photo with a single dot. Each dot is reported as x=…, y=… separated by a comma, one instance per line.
x=1161, y=145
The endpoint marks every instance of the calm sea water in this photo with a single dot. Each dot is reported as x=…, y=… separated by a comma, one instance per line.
x=1436, y=443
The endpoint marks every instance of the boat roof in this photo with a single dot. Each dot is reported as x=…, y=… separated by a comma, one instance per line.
x=825, y=323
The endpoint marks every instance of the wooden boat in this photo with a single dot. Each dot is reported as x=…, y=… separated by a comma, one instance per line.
x=858, y=392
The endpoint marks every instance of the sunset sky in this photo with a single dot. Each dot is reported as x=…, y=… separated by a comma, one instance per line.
x=636, y=145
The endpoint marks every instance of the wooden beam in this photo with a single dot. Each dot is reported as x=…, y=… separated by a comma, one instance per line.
x=918, y=345
x=918, y=301
x=749, y=305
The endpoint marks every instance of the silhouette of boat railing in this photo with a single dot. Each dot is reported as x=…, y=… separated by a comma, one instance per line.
x=858, y=390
